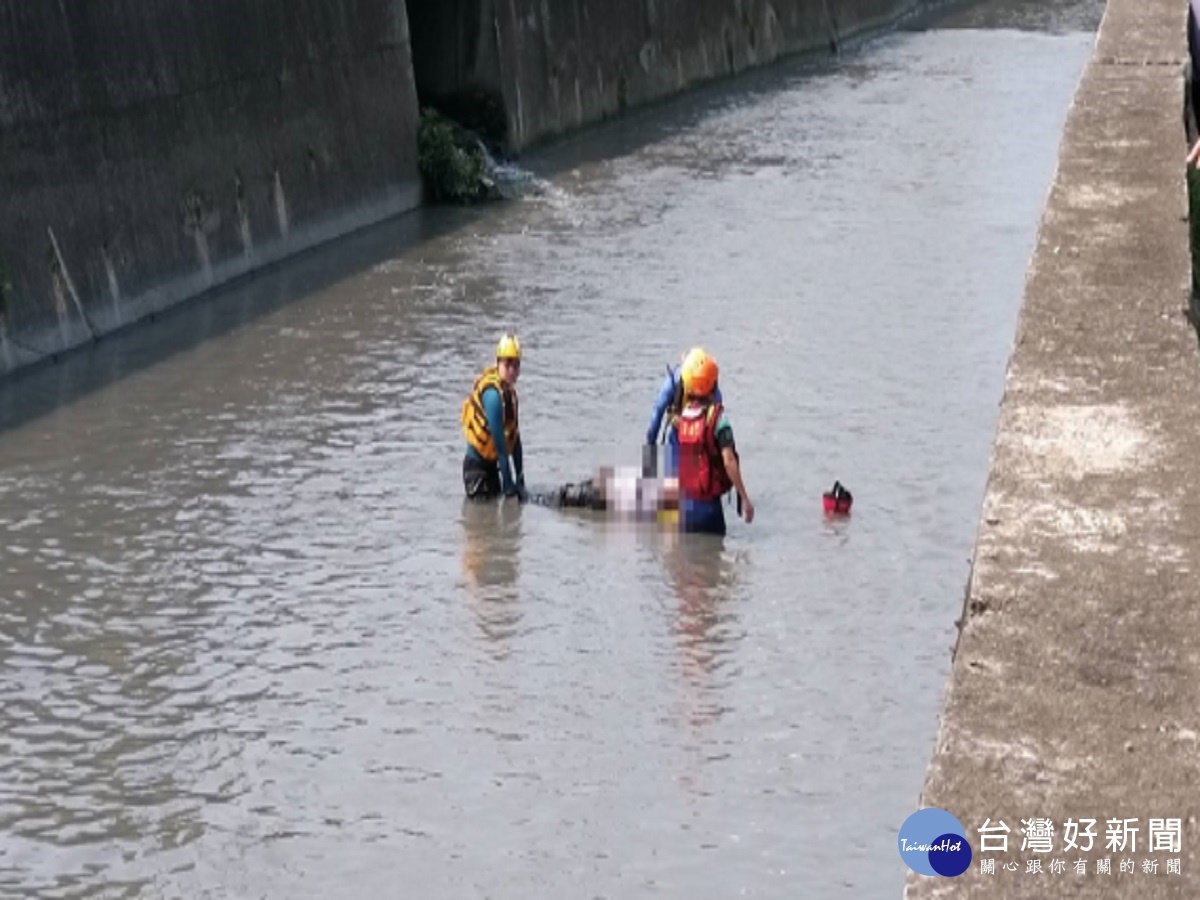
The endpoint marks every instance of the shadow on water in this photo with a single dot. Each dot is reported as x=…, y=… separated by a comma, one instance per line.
x=43, y=387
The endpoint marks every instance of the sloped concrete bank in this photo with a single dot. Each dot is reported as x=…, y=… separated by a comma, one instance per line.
x=149, y=154
x=1075, y=691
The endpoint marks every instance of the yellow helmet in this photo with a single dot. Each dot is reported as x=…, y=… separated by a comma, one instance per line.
x=508, y=348
x=691, y=357
x=699, y=374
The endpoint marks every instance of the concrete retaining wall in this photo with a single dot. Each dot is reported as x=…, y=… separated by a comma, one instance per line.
x=562, y=64
x=151, y=150
x=1075, y=691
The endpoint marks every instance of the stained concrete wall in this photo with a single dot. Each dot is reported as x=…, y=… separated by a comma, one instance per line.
x=456, y=63
x=150, y=150
x=567, y=63
x=454, y=45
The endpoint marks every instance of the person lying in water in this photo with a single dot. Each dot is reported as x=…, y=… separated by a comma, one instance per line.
x=621, y=492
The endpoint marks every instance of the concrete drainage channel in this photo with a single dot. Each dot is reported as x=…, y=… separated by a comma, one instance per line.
x=1072, y=697
x=236, y=139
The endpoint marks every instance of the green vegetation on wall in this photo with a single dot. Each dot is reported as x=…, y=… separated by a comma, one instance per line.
x=453, y=164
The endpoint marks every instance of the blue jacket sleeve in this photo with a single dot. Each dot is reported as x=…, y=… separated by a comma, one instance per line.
x=493, y=408
x=665, y=392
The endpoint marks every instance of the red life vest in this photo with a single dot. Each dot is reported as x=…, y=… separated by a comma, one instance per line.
x=702, y=474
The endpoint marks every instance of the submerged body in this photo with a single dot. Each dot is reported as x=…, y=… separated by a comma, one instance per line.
x=626, y=496
x=621, y=493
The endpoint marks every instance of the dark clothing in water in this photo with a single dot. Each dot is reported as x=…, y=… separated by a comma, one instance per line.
x=481, y=479
x=580, y=495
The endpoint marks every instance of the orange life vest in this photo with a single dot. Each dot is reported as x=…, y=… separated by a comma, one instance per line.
x=702, y=474
x=474, y=419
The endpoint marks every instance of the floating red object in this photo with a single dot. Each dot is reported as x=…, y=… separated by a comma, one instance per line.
x=838, y=500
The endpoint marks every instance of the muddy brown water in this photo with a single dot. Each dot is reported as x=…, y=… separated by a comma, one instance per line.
x=253, y=644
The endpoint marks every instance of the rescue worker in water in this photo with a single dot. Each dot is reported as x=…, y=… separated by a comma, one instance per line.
x=708, y=467
x=619, y=492
x=664, y=418
x=490, y=424
x=708, y=459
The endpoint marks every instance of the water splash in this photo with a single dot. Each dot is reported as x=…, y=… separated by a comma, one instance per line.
x=509, y=181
